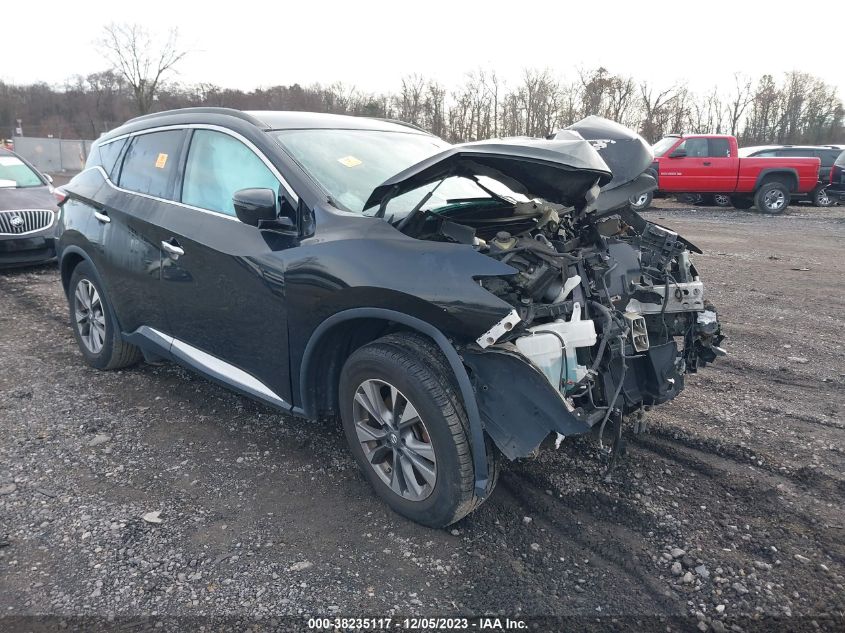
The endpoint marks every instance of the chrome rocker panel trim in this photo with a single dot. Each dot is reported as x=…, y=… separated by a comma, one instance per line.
x=206, y=364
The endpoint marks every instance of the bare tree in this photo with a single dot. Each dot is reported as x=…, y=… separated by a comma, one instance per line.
x=739, y=101
x=797, y=108
x=655, y=111
x=141, y=60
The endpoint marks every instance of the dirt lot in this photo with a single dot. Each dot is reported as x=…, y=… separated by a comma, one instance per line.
x=729, y=512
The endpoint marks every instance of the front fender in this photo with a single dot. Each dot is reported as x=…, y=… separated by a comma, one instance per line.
x=479, y=456
x=519, y=407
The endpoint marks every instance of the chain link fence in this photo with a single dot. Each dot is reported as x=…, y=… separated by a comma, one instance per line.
x=53, y=154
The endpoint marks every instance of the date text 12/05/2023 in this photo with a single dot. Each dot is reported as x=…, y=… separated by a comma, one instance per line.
x=414, y=624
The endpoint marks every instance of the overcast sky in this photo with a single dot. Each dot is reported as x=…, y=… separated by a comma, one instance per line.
x=372, y=44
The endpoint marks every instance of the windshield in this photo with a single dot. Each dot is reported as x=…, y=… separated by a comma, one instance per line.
x=663, y=145
x=15, y=173
x=349, y=164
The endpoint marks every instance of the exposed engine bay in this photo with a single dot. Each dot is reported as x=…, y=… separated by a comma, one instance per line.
x=606, y=305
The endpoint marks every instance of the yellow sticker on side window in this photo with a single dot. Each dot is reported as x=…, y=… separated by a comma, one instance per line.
x=349, y=161
x=161, y=161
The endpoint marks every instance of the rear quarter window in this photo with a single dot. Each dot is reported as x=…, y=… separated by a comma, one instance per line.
x=151, y=162
x=720, y=148
x=106, y=156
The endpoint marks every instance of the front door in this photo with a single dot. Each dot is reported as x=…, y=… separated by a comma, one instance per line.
x=686, y=173
x=722, y=168
x=220, y=281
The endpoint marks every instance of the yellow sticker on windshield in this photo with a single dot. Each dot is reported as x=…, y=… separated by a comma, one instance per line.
x=349, y=161
x=161, y=161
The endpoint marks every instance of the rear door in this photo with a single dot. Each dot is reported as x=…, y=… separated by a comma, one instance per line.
x=131, y=256
x=220, y=280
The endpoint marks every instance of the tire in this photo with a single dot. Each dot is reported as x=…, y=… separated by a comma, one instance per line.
x=641, y=202
x=772, y=198
x=819, y=198
x=707, y=200
x=689, y=198
x=741, y=202
x=722, y=200
x=93, y=323
x=404, y=370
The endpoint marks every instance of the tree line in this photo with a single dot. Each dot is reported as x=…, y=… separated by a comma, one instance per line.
x=796, y=107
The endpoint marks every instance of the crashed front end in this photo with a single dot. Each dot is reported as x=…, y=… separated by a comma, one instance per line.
x=608, y=310
x=610, y=314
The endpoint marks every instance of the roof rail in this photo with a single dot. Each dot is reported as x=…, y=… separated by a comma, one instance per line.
x=404, y=123
x=200, y=110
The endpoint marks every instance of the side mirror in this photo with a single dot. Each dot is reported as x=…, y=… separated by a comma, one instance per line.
x=254, y=206
x=678, y=153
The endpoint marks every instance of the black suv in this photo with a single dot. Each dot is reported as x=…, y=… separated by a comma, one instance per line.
x=836, y=188
x=450, y=303
x=827, y=154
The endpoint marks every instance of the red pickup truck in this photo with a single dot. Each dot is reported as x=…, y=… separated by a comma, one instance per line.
x=709, y=163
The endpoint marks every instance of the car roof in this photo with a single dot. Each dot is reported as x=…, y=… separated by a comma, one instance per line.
x=292, y=120
x=265, y=120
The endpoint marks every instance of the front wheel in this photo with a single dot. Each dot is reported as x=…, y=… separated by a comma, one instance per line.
x=820, y=198
x=408, y=431
x=772, y=198
x=722, y=200
x=641, y=202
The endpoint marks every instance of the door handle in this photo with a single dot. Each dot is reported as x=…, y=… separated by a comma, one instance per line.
x=707, y=163
x=102, y=217
x=172, y=248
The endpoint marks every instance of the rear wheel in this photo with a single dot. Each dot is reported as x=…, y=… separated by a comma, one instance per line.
x=741, y=202
x=94, y=327
x=820, y=198
x=408, y=431
x=772, y=198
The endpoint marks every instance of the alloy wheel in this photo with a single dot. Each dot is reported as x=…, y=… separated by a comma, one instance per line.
x=90, y=318
x=640, y=200
x=823, y=199
x=774, y=200
x=395, y=440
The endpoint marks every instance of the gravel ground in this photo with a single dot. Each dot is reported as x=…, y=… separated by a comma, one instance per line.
x=727, y=514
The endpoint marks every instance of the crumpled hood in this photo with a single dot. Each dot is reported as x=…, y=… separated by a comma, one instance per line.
x=559, y=171
x=626, y=153
x=26, y=198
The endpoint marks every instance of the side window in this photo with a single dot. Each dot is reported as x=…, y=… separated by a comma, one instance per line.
x=828, y=157
x=108, y=155
x=151, y=162
x=767, y=154
x=219, y=165
x=695, y=147
x=719, y=148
